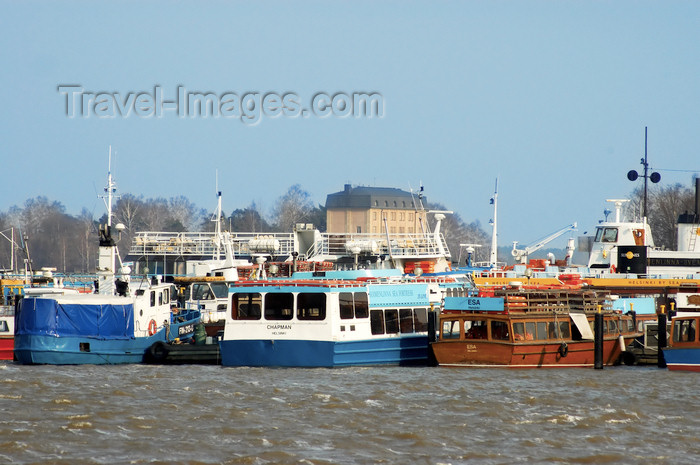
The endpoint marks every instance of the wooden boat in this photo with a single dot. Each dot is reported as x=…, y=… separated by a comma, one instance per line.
x=526, y=327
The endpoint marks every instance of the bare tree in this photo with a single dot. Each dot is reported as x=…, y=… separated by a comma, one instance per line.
x=293, y=207
x=664, y=205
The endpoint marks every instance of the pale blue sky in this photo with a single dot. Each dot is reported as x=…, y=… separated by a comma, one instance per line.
x=552, y=97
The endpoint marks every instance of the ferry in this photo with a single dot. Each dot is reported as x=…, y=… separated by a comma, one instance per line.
x=532, y=327
x=331, y=322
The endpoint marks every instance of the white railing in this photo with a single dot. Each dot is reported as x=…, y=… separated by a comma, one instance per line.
x=205, y=244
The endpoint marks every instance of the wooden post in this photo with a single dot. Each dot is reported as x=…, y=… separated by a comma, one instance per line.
x=660, y=361
x=598, y=339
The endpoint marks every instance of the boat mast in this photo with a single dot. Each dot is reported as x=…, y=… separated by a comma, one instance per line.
x=106, y=261
x=494, y=234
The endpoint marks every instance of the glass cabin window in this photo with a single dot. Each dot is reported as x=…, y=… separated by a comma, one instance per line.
x=279, y=305
x=499, y=330
x=450, y=329
x=347, y=310
x=311, y=306
x=420, y=319
x=361, y=305
x=519, y=331
x=406, y=320
x=392, y=321
x=220, y=290
x=376, y=321
x=684, y=330
x=246, y=306
x=610, y=235
x=202, y=292
x=475, y=329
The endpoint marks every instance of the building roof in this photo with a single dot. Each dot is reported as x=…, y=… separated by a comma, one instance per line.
x=373, y=197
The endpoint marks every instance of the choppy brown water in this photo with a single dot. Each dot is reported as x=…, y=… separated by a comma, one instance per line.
x=209, y=415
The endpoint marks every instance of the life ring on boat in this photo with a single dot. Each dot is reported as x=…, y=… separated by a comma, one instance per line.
x=152, y=327
x=563, y=349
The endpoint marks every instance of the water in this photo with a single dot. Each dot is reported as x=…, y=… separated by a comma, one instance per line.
x=138, y=414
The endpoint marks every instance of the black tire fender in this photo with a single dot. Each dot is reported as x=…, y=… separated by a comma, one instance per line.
x=563, y=349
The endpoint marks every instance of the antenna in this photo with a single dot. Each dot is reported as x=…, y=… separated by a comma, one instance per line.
x=494, y=234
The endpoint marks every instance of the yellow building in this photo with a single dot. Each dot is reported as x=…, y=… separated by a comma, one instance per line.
x=374, y=210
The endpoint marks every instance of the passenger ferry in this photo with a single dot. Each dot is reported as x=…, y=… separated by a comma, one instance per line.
x=521, y=327
x=332, y=322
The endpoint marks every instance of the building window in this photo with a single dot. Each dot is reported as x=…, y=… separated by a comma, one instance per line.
x=376, y=203
x=393, y=216
x=359, y=230
x=386, y=203
x=410, y=217
x=374, y=215
x=395, y=204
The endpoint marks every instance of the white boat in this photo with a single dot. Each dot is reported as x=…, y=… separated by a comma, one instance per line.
x=332, y=322
x=57, y=325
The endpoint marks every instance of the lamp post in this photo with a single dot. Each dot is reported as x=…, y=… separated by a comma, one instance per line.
x=632, y=175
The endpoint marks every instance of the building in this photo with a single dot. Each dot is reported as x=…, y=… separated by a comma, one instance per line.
x=374, y=210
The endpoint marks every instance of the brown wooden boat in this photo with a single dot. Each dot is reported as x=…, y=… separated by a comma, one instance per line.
x=529, y=327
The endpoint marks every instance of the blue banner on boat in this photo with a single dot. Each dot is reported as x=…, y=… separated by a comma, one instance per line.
x=400, y=294
x=484, y=304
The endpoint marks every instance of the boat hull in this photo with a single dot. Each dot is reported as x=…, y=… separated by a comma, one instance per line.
x=308, y=353
x=7, y=347
x=682, y=358
x=523, y=355
x=69, y=350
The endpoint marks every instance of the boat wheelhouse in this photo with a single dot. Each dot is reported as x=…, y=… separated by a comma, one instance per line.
x=329, y=323
x=529, y=328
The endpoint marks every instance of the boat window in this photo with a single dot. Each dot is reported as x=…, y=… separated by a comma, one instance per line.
x=552, y=330
x=613, y=327
x=392, y=321
x=406, y=320
x=311, y=306
x=201, y=292
x=610, y=235
x=376, y=321
x=166, y=295
x=475, y=329
x=450, y=329
x=346, y=307
x=220, y=290
x=420, y=319
x=684, y=330
x=361, y=305
x=246, y=306
x=564, y=330
x=519, y=331
x=530, y=331
x=4, y=328
x=499, y=330
x=598, y=234
x=278, y=305
x=153, y=298
x=160, y=298
x=542, y=331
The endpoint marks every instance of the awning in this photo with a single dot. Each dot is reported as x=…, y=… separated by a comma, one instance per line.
x=581, y=322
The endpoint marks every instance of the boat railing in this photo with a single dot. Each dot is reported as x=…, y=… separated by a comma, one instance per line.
x=201, y=244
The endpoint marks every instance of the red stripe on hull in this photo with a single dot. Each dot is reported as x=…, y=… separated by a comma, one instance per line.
x=7, y=348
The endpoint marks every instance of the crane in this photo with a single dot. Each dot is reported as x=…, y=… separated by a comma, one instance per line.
x=522, y=254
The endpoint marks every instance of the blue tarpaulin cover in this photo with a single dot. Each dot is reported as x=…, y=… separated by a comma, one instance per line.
x=49, y=317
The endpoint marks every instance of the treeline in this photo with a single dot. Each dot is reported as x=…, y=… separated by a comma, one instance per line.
x=47, y=236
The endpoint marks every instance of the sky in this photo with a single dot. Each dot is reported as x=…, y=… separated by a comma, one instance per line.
x=551, y=98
